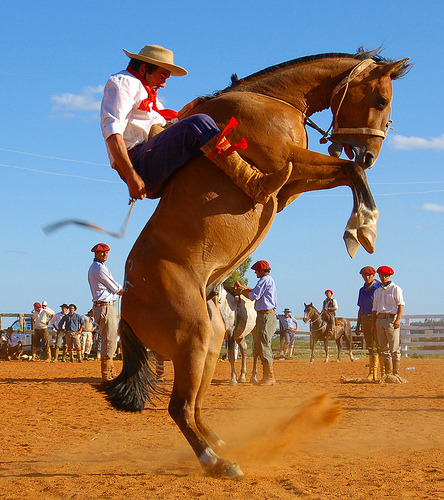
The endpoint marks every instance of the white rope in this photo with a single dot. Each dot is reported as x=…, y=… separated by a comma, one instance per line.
x=60, y=175
x=53, y=157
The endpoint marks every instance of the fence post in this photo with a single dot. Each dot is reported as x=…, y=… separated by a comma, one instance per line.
x=408, y=339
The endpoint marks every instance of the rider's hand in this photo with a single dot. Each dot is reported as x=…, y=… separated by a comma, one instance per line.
x=136, y=187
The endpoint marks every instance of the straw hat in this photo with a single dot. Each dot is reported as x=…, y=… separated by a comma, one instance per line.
x=155, y=54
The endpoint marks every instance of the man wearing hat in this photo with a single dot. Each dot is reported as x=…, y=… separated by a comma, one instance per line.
x=329, y=306
x=40, y=320
x=73, y=325
x=388, y=306
x=289, y=326
x=131, y=115
x=364, y=322
x=105, y=291
x=60, y=340
x=265, y=296
x=45, y=306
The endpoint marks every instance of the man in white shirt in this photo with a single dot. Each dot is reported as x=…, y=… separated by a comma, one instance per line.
x=46, y=308
x=105, y=291
x=388, y=306
x=40, y=318
x=130, y=109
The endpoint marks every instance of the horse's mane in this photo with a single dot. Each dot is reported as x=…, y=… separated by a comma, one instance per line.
x=360, y=55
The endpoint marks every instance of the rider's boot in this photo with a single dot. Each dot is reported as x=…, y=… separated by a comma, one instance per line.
x=107, y=367
x=255, y=184
x=396, y=366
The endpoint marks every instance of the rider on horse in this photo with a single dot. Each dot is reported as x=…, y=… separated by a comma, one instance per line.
x=132, y=117
x=329, y=308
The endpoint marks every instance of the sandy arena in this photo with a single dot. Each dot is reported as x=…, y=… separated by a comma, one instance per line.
x=61, y=439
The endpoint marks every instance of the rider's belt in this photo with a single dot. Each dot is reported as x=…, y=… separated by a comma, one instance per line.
x=266, y=311
x=386, y=315
x=100, y=304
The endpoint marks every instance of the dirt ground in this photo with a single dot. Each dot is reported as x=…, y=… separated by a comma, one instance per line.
x=60, y=438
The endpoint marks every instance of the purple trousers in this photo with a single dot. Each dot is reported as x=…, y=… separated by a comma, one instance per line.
x=157, y=159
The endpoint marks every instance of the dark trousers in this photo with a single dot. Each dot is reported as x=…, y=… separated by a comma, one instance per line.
x=157, y=159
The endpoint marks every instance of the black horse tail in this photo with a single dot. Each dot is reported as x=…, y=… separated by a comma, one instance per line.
x=137, y=382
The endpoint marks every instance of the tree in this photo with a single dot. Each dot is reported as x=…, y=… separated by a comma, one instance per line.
x=239, y=274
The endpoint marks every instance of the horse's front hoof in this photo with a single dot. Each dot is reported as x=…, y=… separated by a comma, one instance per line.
x=225, y=468
x=367, y=237
x=233, y=381
x=351, y=242
x=242, y=379
x=326, y=360
x=253, y=379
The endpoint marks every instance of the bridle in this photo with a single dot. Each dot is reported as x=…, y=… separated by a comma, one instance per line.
x=319, y=317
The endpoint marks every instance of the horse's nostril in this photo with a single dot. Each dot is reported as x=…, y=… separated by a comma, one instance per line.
x=369, y=159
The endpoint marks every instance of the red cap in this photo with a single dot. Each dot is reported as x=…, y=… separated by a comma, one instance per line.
x=260, y=265
x=37, y=304
x=367, y=270
x=385, y=270
x=331, y=291
x=100, y=247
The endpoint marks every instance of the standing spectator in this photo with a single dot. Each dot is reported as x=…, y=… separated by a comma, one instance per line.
x=329, y=306
x=60, y=339
x=87, y=334
x=265, y=296
x=46, y=308
x=11, y=345
x=290, y=326
x=388, y=306
x=40, y=320
x=73, y=325
x=105, y=291
x=364, y=322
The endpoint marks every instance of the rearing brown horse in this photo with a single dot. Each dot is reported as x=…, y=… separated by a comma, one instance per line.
x=204, y=227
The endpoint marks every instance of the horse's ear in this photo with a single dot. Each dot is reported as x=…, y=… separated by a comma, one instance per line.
x=311, y=304
x=397, y=69
x=305, y=305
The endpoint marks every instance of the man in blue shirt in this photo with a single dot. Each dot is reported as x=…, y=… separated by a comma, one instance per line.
x=290, y=326
x=73, y=325
x=265, y=296
x=364, y=322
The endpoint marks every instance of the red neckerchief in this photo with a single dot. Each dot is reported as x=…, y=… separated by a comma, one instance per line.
x=168, y=114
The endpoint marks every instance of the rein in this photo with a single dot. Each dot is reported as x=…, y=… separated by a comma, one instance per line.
x=314, y=320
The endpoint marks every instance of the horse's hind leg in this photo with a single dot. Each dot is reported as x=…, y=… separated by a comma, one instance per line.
x=220, y=466
x=326, y=350
x=242, y=343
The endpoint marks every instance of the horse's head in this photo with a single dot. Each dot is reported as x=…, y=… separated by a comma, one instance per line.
x=361, y=105
x=308, y=309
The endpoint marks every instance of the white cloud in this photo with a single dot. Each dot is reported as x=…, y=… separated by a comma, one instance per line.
x=401, y=142
x=86, y=101
x=433, y=207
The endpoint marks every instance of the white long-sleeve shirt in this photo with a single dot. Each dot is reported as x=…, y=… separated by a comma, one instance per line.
x=103, y=286
x=120, y=113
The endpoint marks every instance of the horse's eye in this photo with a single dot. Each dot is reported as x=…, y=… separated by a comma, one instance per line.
x=381, y=101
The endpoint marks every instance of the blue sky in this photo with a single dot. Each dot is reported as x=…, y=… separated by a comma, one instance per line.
x=56, y=59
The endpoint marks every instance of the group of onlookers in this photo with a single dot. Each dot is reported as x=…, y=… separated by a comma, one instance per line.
x=74, y=334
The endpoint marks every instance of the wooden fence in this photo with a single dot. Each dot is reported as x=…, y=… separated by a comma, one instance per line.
x=417, y=340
